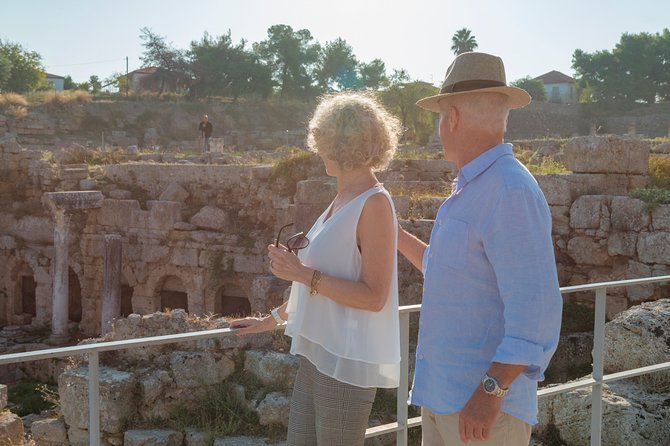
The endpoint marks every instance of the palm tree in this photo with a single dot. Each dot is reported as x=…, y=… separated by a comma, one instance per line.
x=463, y=41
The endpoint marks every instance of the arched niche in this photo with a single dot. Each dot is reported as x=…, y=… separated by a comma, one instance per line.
x=173, y=294
x=231, y=300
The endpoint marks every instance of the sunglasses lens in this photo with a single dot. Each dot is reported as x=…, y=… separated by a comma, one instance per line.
x=298, y=241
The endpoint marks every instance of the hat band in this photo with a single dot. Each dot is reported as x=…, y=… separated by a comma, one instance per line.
x=470, y=85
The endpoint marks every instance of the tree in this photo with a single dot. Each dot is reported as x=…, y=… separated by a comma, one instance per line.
x=170, y=61
x=635, y=70
x=223, y=68
x=400, y=99
x=291, y=56
x=463, y=41
x=26, y=72
x=372, y=75
x=94, y=84
x=534, y=87
x=336, y=68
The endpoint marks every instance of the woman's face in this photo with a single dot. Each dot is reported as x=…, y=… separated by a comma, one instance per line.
x=331, y=166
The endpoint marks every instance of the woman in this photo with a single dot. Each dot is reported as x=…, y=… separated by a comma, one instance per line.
x=342, y=312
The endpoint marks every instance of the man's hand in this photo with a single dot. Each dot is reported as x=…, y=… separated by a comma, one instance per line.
x=478, y=416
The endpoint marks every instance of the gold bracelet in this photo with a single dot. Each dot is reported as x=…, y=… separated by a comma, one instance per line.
x=316, y=278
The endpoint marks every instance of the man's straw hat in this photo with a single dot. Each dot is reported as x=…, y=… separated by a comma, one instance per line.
x=476, y=73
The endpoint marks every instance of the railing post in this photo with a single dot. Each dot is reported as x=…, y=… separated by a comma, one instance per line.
x=401, y=411
x=597, y=389
x=93, y=399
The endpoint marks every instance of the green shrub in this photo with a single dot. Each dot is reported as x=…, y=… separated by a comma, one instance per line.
x=31, y=397
x=652, y=196
x=659, y=171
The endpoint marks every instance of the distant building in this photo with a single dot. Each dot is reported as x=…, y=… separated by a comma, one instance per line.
x=560, y=88
x=57, y=82
x=154, y=79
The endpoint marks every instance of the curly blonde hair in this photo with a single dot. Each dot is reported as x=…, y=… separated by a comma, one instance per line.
x=353, y=130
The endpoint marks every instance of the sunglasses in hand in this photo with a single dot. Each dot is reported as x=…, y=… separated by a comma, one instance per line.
x=295, y=242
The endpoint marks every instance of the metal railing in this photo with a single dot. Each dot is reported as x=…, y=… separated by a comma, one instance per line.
x=401, y=426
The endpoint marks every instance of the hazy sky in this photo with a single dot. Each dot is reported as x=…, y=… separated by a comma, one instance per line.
x=85, y=37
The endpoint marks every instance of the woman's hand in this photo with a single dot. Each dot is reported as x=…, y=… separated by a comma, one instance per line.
x=286, y=265
x=251, y=325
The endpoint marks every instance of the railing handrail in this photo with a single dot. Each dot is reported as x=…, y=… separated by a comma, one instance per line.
x=403, y=423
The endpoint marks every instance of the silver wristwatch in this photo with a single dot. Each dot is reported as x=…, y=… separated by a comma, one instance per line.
x=491, y=387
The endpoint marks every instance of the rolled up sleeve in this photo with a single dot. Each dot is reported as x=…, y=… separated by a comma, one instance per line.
x=520, y=249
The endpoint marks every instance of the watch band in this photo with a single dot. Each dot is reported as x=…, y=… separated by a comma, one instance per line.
x=491, y=387
x=275, y=314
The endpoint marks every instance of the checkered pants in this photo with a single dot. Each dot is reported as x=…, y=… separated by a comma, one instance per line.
x=327, y=412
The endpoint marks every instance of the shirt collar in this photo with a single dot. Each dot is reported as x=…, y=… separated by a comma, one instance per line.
x=478, y=165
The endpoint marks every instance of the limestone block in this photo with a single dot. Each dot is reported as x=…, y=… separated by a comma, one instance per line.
x=255, y=264
x=622, y=244
x=245, y=441
x=11, y=429
x=88, y=184
x=607, y=154
x=120, y=194
x=183, y=226
x=630, y=416
x=660, y=218
x=556, y=189
x=615, y=306
x=640, y=337
x=261, y=172
x=587, y=251
x=629, y=214
x=427, y=207
x=588, y=211
x=49, y=432
x=272, y=368
x=315, y=192
x=116, y=212
x=637, y=270
x=304, y=215
x=426, y=165
x=653, y=247
x=7, y=242
x=154, y=253
x=33, y=229
x=154, y=437
x=3, y=396
x=116, y=398
x=174, y=192
x=195, y=437
x=274, y=409
x=266, y=292
x=560, y=219
x=78, y=437
x=163, y=214
x=210, y=370
x=210, y=217
x=184, y=257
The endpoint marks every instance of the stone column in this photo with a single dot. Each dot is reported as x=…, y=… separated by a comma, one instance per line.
x=61, y=205
x=59, y=315
x=111, y=287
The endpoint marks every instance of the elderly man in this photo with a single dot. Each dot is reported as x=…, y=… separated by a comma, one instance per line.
x=491, y=311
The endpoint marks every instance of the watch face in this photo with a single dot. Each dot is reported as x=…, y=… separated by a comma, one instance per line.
x=489, y=385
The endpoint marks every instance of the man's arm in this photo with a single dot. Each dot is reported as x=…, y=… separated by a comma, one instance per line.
x=411, y=247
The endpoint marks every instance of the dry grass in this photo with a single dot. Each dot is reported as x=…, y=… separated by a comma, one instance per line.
x=12, y=100
x=16, y=112
x=65, y=98
x=659, y=171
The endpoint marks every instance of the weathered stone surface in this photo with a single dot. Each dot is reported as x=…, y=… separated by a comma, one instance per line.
x=3, y=396
x=183, y=226
x=272, y=368
x=629, y=214
x=556, y=189
x=660, y=218
x=184, y=257
x=587, y=251
x=622, y=244
x=210, y=217
x=637, y=270
x=11, y=429
x=116, y=398
x=640, y=337
x=155, y=437
x=653, y=247
x=49, y=432
x=630, y=416
x=116, y=212
x=589, y=211
x=274, y=409
x=120, y=194
x=245, y=441
x=315, y=192
x=174, y=192
x=607, y=154
x=210, y=371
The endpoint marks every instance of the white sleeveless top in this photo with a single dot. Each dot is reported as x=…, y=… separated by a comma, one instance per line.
x=354, y=346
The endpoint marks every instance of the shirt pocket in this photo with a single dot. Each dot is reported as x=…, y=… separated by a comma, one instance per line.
x=450, y=249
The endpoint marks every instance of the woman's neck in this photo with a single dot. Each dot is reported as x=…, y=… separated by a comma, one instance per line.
x=354, y=182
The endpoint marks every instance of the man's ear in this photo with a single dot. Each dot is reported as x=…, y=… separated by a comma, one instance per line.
x=453, y=117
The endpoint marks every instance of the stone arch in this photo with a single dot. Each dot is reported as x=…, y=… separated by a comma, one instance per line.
x=126, y=297
x=231, y=300
x=172, y=293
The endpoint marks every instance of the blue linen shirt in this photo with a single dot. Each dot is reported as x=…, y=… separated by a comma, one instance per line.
x=491, y=290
